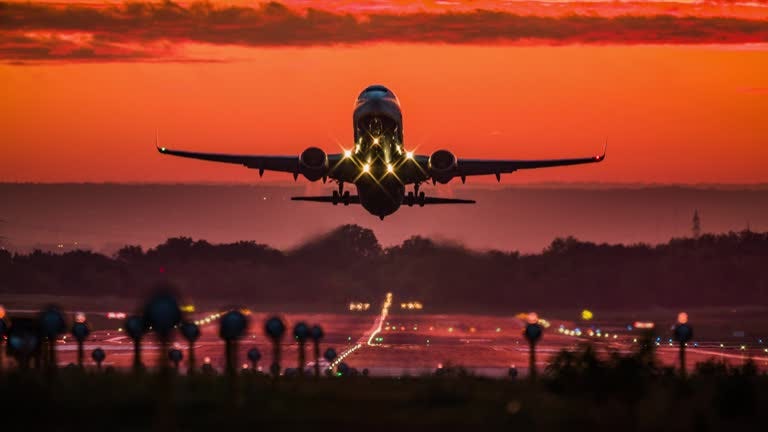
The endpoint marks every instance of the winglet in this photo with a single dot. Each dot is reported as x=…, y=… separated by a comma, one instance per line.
x=157, y=142
x=600, y=158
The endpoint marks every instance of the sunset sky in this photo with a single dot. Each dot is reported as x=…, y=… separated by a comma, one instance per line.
x=679, y=90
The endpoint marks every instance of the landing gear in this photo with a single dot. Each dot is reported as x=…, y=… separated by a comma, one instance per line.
x=340, y=197
x=412, y=199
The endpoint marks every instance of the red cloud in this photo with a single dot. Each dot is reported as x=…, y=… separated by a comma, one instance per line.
x=123, y=32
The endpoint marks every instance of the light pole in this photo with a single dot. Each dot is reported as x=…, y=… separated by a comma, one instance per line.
x=135, y=328
x=98, y=356
x=301, y=333
x=191, y=333
x=3, y=331
x=254, y=355
x=175, y=357
x=162, y=314
x=683, y=333
x=275, y=329
x=232, y=327
x=52, y=324
x=532, y=333
x=316, y=333
x=330, y=356
x=80, y=332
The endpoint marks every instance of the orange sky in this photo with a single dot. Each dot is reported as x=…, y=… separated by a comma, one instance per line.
x=671, y=113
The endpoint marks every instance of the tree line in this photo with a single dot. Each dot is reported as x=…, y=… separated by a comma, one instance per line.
x=348, y=263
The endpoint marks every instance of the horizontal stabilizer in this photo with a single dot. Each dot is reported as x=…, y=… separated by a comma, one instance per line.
x=431, y=200
x=353, y=199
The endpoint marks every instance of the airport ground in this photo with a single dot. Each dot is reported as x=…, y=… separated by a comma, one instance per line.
x=413, y=343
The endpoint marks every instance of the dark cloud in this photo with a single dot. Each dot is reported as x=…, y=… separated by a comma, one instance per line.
x=114, y=28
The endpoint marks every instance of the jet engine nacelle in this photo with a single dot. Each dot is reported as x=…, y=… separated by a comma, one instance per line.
x=313, y=163
x=442, y=166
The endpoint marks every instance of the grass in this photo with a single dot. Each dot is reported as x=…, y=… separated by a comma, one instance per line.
x=719, y=400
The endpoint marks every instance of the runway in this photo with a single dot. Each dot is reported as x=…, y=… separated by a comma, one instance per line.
x=410, y=343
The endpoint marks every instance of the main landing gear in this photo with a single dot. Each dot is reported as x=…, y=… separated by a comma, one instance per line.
x=415, y=197
x=340, y=196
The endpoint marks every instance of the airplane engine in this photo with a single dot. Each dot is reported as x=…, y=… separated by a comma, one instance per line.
x=313, y=163
x=442, y=166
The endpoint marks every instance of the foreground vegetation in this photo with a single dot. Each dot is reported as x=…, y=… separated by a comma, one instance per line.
x=579, y=391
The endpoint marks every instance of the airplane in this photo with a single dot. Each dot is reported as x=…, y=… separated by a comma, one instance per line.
x=378, y=165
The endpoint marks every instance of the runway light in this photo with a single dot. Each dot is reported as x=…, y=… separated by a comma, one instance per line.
x=347, y=154
x=366, y=168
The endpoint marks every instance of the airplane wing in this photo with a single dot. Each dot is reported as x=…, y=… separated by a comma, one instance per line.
x=472, y=167
x=289, y=164
x=468, y=167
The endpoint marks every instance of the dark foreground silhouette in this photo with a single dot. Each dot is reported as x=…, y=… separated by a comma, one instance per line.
x=578, y=392
x=349, y=263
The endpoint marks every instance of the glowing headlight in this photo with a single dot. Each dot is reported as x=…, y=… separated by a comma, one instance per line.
x=366, y=168
x=409, y=155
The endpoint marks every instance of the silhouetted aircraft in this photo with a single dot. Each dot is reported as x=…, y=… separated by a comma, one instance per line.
x=378, y=164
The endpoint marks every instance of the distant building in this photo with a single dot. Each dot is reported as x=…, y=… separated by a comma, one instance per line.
x=696, y=228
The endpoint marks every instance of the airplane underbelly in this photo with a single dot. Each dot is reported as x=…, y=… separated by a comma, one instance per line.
x=380, y=198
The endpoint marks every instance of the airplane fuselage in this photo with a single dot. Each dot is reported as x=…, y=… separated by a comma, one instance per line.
x=378, y=132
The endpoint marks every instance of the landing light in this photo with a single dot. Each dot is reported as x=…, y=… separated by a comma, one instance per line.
x=347, y=153
x=390, y=168
x=366, y=168
x=375, y=141
x=409, y=155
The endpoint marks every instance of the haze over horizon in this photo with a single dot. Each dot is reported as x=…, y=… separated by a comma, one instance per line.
x=105, y=217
